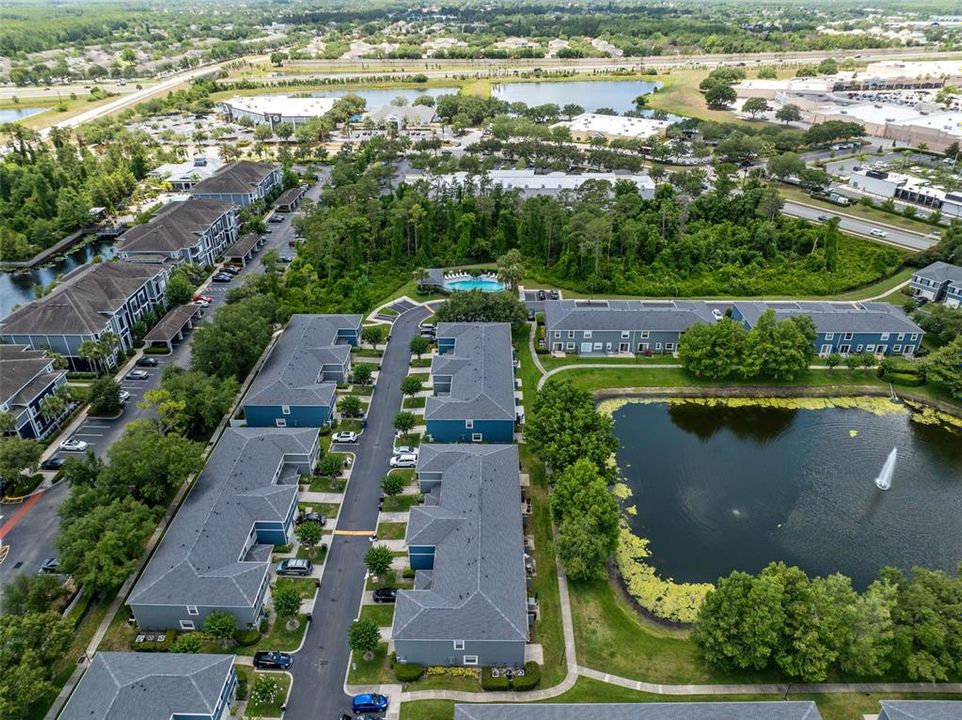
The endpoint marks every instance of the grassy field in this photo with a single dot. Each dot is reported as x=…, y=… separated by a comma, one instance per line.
x=391, y=531
x=269, y=710
x=630, y=376
x=373, y=672
x=383, y=614
x=305, y=587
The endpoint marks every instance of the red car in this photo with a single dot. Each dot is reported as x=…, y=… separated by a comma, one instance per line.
x=203, y=298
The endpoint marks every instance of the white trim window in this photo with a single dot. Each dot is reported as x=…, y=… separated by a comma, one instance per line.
x=644, y=334
x=858, y=348
x=829, y=336
x=192, y=610
x=571, y=346
x=901, y=336
x=848, y=336
x=657, y=346
x=870, y=348
x=477, y=437
x=459, y=644
x=669, y=347
x=571, y=334
x=885, y=336
x=280, y=422
x=186, y=624
x=470, y=659
x=557, y=334
x=468, y=424
x=587, y=334
x=285, y=409
x=915, y=336
x=625, y=334
x=896, y=348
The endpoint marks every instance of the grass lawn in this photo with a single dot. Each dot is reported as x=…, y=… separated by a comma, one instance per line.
x=279, y=638
x=362, y=390
x=399, y=503
x=375, y=672
x=680, y=95
x=550, y=362
x=391, y=579
x=866, y=212
x=413, y=439
x=328, y=484
x=249, y=675
x=446, y=682
x=391, y=531
x=367, y=353
x=382, y=614
x=421, y=362
x=305, y=587
x=329, y=510
x=411, y=403
x=318, y=556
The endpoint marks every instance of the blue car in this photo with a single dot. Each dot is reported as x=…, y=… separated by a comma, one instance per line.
x=369, y=702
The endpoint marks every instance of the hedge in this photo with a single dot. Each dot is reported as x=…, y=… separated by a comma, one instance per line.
x=493, y=683
x=408, y=672
x=156, y=350
x=908, y=379
x=246, y=638
x=530, y=679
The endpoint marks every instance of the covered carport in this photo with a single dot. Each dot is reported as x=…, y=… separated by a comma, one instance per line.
x=288, y=200
x=172, y=326
x=243, y=250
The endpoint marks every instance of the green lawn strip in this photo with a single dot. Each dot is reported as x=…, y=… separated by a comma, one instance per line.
x=399, y=503
x=279, y=638
x=367, y=353
x=305, y=587
x=375, y=672
x=391, y=579
x=272, y=710
x=866, y=212
x=877, y=288
x=601, y=378
x=391, y=531
x=328, y=510
x=528, y=373
x=328, y=484
x=445, y=682
x=421, y=362
x=550, y=362
x=362, y=390
x=412, y=439
x=319, y=554
x=120, y=634
x=411, y=403
x=382, y=614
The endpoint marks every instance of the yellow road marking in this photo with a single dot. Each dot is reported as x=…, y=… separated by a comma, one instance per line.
x=4, y=551
x=359, y=533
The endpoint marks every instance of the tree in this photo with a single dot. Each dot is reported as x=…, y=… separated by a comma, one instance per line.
x=364, y=636
x=374, y=335
x=720, y=95
x=833, y=360
x=870, y=631
x=378, y=560
x=476, y=306
x=362, y=373
x=271, y=260
x=230, y=343
x=716, y=351
x=411, y=385
x=104, y=396
x=56, y=404
x=264, y=691
x=201, y=400
x=420, y=345
x=788, y=112
x=171, y=413
x=309, y=534
x=30, y=645
x=755, y=105
x=404, y=421
x=287, y=602
x=101, y=547
x=786, y=165
x=278, y=58
x=943, y=367
x=8, y=423
x=393, y=484
x=180, y=290
x=511, y=268
x=220, y=625
x=351, y=406
x=189, y=643
x=32, y=594
x=779, y=350
x=582, y=549
x=17, y=455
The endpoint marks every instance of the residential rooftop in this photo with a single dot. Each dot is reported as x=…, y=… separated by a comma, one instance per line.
x=622, y=315
x=477, y=589
x=481, y=368
x=201, y=559
x=835, y=317
x=921, y=710
x=149, y=686
x=234, y=179
x=24, y=374
x=177, y=226
x=767, y=710
x=941, y=272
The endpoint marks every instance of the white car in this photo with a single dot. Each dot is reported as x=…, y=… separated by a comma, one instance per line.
x=717, y=314
x=124, y=397
x=408, y=460
x=137, y=375
x=875, y=232
x=73, y=445
x=406, y=450
x=344, y=437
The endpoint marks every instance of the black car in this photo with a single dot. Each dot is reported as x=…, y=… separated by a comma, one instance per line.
x=531, y=315
x=310, y=517
x=222, y=278
x=53, y=463
x=554, y=294
x=276, y=219
x=542, y=295
x=147, y=362
x=385, y=595
x=273, y=660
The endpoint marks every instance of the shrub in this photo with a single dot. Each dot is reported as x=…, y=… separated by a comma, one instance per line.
x=246, y=638
x=493, y=683
x=530, y=679
x=408, y=573
x=907, y=379
x=408, y=672
x=189, y=643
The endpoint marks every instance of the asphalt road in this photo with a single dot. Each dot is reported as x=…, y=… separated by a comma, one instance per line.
x=30, y=534
x=849, y=223
x=320, y=666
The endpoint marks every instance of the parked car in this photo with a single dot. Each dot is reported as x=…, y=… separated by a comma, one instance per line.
x=554, y=294
x=285, y=260
x=275, y=219
x=717, y=314
x=542, y=295
x=147, y=361
x=369, y=702
x=73, y=445
x=294, y=567
x=385, y=595
x=203, y=298
x=52, y=463
x=273, y=660
x=124, y=396
x=230, y=269
x=222, y=278
x=311, y=517
x=875, y=232
x=408, y=460
x=345, y=436
x=406, y=450
x=428, y=329
x=50, y=565
x=531, y=314
x=202, y=303
x=138, y=375
x=292, y=242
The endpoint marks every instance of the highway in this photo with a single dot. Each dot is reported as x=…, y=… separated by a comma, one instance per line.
x=857, y=226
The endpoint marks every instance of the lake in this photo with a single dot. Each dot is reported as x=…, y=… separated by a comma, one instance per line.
x=17, y=288
x=14, y=114
x=721, y=488
x=618, y=95
x=377, y=98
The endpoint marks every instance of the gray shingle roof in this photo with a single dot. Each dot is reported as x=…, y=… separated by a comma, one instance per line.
x=477, y=589
x=244, y=245
x=23, y=374
x=199, y=561
x=291, y=375
x=836, y=317
x=921, y=710
x=791, y=710
x=289, y=196
x=171, y=323
x=148, y=686
x=83, y=303
x=481, y=368
x=941, y=272
x=238, y=178
x=176, y=227
x=409, y=114
x=625, y=315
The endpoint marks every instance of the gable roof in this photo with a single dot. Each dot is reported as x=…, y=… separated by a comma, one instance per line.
x=481, y=367
x=941, y=272
x=835, y=317
x=83, y=303
x=291, y=373
x=477, y=589
x=200, y=560
x=148, y=686
x=178, y=226
x=766, y=710
x=238, y=178
x=625, y=315
x=921, y=710
x=25, y=374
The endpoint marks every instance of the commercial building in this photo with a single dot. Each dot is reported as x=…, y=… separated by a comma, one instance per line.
x=28, y=376
x=276, y=109
x=472, y=380
x=242, y=183
x=603, y=327
x=588, y=126
x=296, y=385
x=844, y=328
x=154, y=686
x=908, y=188
x=469, y=605
x=193, y=231
x=404, y=117
x=767, y=710
x=937, y=130
x=183, y=176
x=216, y=554
x=93, y=300
x=530, y=183
x=938, y=282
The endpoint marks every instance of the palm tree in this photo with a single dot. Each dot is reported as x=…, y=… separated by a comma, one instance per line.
x=107, y=345
x=421, y=274
x=90, y=351
x=511, y=269
x=55, y=404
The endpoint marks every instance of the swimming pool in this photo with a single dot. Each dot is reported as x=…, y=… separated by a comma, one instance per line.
x=484, y=284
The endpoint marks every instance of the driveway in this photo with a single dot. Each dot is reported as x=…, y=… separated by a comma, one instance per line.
x=321, y=664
